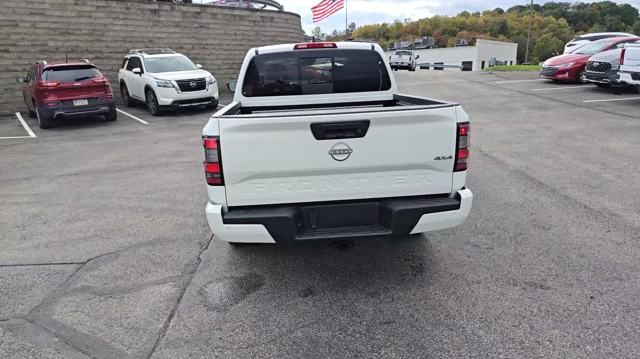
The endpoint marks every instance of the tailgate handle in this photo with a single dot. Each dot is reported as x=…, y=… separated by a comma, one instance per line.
x=339, y=130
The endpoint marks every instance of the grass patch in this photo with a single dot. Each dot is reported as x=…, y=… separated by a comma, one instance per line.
x=514, y=68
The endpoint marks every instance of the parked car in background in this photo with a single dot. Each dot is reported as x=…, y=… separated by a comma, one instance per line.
x=571, y=67
x=53, y=91
x=603, y=68
x=587, y=38
x=630, y=65
x=403, y=59
x=162, y=79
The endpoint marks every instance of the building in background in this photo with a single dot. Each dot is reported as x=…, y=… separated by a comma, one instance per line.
x=484, y=54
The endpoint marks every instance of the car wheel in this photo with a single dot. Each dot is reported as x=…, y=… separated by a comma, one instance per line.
x=32, y=113
x=112, y=115
x=212, y=106
x=581, y=79
x=44, y=121
x=126, y=98
x=152, y=103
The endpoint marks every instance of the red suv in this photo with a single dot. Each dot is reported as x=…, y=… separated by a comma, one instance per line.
x=64, y=90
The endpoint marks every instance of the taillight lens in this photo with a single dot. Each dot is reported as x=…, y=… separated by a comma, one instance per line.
x=315, y=45
x=622, y=56
x=462, y=151
x=49, y=83
x=212, y=161
x=100, y=80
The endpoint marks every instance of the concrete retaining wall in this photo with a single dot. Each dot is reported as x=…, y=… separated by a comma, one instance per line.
x=104, y=30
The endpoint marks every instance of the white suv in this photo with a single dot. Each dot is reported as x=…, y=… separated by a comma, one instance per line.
x=162, y=78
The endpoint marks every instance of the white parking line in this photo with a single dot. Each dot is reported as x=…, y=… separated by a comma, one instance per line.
x=560, y=88
x=24, y=124
x=613, y=99
x=132, y=116
x=514, y=81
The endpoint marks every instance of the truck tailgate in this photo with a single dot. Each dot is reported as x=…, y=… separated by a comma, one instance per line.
x=277, y=159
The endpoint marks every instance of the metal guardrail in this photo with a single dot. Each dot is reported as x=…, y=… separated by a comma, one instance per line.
x=265, y=3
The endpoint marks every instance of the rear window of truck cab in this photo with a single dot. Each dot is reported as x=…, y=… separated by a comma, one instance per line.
x=314, y=72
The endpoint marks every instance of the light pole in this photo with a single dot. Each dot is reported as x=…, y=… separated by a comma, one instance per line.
x=526, y=52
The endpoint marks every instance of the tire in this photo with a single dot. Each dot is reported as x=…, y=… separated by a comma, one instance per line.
x=127, y=101
x=152, y=103
x=581, y=79
x=44, y=121
x=212, y=106
x=32, y=113
x=112, y=115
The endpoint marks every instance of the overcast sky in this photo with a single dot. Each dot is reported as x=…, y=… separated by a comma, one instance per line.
x=375, y=11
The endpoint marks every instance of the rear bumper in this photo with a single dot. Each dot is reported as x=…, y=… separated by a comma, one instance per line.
x=74, y=112
x=396, y=217
x=629, y=78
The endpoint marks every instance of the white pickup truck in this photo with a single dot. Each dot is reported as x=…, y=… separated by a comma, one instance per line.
x=630, y=65
x=318, y=144
x=403, y=59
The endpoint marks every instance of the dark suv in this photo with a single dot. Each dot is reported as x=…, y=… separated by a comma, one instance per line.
x=63, y=90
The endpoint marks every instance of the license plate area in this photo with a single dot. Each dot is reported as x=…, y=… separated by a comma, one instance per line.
x=340, y=215
x=81, y=102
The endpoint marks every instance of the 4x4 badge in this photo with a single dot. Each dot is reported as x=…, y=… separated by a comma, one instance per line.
x=340, y=151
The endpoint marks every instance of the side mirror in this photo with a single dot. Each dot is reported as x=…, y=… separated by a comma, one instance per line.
x=231, y=86
x=198, y=66
x=137, y=71
x=21, y=79
x=417, y=57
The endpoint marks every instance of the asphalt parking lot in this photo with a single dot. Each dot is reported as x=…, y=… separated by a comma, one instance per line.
x=106, y=251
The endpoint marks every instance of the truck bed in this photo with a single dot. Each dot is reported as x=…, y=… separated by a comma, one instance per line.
x=399, y=102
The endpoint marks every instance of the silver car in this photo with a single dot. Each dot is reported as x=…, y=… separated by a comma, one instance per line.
x=602, y=68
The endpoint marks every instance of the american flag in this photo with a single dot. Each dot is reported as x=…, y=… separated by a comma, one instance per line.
x=326, y=8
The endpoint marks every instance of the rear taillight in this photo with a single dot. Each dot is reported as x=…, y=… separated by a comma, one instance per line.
x=212, y=161
x=49, y=83
x=462, y=150
x=622, y=56
x=53, y=104
x=100, y=80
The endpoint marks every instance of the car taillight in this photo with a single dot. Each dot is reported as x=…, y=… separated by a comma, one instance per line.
x=100, y=80
x=315, y=45
x=49, y=83
x=622, y=56
x=212, y=161
x=462, y=151
x=53, y=104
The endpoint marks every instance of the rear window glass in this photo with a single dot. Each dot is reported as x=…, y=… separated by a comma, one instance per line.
x=70, y=73
x=312, y=72
x=403, y=53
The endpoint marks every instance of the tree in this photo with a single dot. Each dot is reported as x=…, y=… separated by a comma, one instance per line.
x=547, y=46
x=317, y=33
x=352, y=27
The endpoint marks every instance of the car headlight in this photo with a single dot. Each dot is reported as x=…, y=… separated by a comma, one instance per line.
x=211, y=80
x=164, y=83
x=568, y=64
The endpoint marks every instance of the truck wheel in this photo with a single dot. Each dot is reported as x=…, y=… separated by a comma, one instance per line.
x=44, y=120
x=152, y=103
x=112, y=115
x=127, y=101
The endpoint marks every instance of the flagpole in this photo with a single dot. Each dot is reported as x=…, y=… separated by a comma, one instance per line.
x=346, y=26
